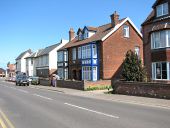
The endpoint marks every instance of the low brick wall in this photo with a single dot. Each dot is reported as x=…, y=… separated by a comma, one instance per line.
x=83, y=85
x=45, y=82
x=71, y=84
x=156, y=90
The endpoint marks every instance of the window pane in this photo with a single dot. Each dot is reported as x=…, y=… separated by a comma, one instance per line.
x=164, y=71
x=165, y=8
x=137, y=51
x=159, y=10
x=169, y=38
x=158, y=71
x=126, y=31
x=163, y=39
x=157, y=39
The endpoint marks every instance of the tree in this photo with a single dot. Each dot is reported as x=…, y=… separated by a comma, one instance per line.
x=132, y=68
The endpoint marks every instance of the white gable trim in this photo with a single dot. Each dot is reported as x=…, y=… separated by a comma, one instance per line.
x=119, y=25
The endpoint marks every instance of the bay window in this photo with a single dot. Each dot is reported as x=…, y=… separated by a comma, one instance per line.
x=160, y=71
x=160, y=39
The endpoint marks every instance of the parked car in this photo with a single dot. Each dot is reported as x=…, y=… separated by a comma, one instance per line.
x=22, y=80
x=35, y=81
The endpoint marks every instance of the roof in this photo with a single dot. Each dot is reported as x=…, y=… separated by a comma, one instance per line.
x=2, y=70
x=102, y=33
x=161, y=26
x=156, y=3
x=11, y=67
x=149, y=18
x=92, y=28
x=23, y=53
x=47, y=50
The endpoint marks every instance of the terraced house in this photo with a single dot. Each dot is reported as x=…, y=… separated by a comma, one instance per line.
x=46, y=60
x=156, y=32
x=95, y=53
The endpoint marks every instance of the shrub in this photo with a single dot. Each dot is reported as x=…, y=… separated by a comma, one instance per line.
x=133, y=69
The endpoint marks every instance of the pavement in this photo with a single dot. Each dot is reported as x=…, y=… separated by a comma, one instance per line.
x=103, y=94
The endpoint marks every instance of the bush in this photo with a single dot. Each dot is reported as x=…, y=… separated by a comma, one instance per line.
x=132, y=68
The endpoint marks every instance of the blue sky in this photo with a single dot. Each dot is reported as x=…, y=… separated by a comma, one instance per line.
x=36, y=24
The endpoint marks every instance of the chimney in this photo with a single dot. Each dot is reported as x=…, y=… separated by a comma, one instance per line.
x=71, y=34
x=114, y=19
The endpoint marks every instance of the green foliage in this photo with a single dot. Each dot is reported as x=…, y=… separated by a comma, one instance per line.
x=132, y=68
x=98, y=88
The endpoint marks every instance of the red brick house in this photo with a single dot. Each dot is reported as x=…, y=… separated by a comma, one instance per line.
x=2, y=72
x=156, y=37
x=96, y=53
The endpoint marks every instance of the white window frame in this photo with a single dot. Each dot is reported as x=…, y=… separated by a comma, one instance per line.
x=94, y=50
x=162, y=8
x=126, y=31
x=153, y=39
x=137, y=50
x=87, y=73
x=154, y=70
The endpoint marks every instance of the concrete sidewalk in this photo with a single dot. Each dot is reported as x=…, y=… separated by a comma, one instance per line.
x=101, y=94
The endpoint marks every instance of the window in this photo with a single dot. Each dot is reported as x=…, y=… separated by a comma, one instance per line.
x=160, y=39
x=126, y=31
x=65, y=56
x=86, y=73
x=162, y=9
x=137, y=51
x=94, y=73
x=74, y=54
x=31, y=61
x=66, y=73
x=94, y=51
x=60, y=56
x=60, y=72
x=86, y=51
x=79, y=53
x=160, y=71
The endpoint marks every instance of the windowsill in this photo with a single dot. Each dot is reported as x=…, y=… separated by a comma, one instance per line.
x=161, y=15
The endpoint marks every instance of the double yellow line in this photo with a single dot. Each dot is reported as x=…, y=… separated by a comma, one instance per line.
x=4, y=121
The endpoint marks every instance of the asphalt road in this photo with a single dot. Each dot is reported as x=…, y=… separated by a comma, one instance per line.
x=28, y=107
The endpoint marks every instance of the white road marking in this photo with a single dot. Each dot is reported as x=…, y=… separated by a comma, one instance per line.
x=86, y=109
x=44, y=97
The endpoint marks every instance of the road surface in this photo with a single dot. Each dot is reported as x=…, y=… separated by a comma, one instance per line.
x=25, y=107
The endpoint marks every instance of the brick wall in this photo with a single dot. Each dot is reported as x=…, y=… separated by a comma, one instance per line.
x=114, y=50
x=156, y=90
x=154, y=55
x=83, y=85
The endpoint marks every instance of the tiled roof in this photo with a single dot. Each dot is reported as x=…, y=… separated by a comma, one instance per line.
x=161, y=26
x=156, y=3
x=101, y=32
x=91, y=28
x=47, y=50
x=23, y=53
x=149, y=18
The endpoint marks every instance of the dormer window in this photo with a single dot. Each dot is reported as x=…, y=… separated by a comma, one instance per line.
x=162, y=9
